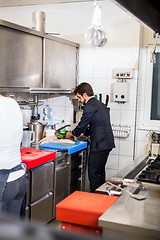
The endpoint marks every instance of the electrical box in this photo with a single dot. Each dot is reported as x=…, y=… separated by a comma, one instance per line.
x=121, y=92
x=123, y=73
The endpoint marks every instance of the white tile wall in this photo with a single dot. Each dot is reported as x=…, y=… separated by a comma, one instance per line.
x=115, y=151
x=124, y=161
x=115, y=116
x=96, y=67
x=59, y=101
x=127, y=118
x=126, y=148
x=59, y=113
x=142, y=148
x=130, y=105
x=100, y=70
x=110, y=173
x=26, y=112
x=69, y=101
x=112, y=162
x=69, y=114
x=100, y=85
x=143, y=135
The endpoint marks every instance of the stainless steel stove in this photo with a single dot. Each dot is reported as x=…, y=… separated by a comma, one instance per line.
x=151, y=173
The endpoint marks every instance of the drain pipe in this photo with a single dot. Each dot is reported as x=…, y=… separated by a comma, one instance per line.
x=135, y=128
x=38, y=21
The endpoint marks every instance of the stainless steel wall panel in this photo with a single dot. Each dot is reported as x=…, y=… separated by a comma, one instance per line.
x=60, y=65
x=20, y=59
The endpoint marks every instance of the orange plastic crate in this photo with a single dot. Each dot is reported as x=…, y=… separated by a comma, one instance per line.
x=70, y=227
x=83, y=208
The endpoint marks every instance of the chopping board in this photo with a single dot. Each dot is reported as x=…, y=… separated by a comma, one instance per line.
x=71, y=148
x=35, y=157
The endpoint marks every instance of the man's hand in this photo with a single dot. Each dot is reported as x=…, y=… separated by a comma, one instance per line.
x=70, y=135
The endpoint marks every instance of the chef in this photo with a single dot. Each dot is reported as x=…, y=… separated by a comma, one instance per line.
x=96, y=121
x=13, y=181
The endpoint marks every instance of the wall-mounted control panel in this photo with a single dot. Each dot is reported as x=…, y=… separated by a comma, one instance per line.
x=123, y=73
x=121, y=92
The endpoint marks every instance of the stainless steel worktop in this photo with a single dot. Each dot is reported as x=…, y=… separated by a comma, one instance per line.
x=129, y=218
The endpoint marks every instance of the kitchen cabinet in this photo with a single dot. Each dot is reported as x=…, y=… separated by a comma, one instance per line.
x=40, y=196
x=42, y=209
x=61, y=179
x=77, y=161
x=20, y=59
x=52, y=178
x=40, y=199
x=42, y=181
x=60, y=65
x=49, y=182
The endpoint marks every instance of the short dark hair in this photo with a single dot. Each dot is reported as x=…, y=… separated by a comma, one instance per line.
x=84, y=88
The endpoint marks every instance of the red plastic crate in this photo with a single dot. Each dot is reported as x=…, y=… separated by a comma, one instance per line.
x=35, y=157
x=70, y=227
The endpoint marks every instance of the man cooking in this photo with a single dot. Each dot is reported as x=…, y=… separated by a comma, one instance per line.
x=96, y=121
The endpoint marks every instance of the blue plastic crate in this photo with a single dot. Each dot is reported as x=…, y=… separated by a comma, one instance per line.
x=71, y=148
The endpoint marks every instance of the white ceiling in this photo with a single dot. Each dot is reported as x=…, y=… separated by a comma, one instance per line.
x=70, y=20
x=9, y=3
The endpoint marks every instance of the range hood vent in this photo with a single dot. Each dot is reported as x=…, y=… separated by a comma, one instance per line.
x=147, y=11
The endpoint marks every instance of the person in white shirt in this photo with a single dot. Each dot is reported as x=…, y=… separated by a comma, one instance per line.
x=13, y=180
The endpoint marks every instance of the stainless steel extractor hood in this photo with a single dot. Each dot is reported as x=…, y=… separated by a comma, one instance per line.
x=147, y=11
x=35, y=90
x=36, y=62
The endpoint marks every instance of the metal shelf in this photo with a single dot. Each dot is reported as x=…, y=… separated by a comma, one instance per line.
x=121, y=131
x=34, y=90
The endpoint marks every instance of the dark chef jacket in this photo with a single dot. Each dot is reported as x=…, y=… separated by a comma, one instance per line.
x=97, y=119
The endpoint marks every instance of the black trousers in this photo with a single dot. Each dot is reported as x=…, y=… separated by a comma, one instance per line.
x=96, y=168
x=13, y=196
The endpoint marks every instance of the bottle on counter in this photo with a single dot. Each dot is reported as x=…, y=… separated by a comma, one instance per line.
x=47, y=111
x=63, y=131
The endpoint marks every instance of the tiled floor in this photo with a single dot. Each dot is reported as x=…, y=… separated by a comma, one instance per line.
x=55, y=224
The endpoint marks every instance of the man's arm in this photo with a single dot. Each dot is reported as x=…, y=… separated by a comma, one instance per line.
x=84, y=122
x=69, y=135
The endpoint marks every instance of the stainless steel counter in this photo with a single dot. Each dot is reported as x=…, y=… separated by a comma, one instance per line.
x=129, y=218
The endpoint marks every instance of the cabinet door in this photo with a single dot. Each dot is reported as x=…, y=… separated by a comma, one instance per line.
x=60, y=65
x=62, y=183
x=42, y=210
x=42, y=179
x=20, y=59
